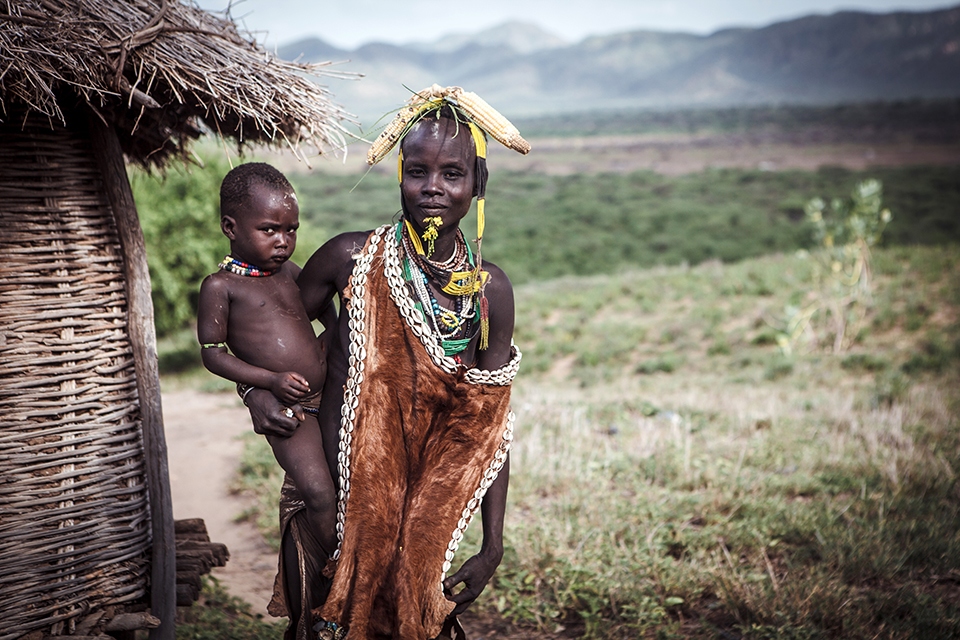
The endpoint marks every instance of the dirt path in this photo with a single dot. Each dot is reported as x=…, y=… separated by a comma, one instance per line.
x=203, y=445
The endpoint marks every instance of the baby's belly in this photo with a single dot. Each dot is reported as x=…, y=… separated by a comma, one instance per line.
x=280, y=347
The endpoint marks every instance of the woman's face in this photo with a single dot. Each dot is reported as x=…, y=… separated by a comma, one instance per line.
x=438, y=172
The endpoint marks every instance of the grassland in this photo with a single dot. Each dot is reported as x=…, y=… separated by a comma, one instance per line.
x=910, y=119
x=545, y=226
x=674, y=475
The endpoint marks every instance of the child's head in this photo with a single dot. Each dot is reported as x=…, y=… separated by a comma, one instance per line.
x=260, y=215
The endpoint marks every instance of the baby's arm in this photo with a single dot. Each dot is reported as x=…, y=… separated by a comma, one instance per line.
x=212, y=316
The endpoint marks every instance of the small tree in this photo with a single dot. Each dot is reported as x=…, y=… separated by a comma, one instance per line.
x=842, y=278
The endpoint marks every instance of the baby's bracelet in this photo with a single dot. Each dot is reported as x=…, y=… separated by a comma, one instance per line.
x=243, y=390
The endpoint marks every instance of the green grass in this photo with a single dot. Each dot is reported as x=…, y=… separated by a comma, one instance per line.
x=220, y=616
x=664, y=487
x=739, y=490
x=544, y=226
x=260, y=477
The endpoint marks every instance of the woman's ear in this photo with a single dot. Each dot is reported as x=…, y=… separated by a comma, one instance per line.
x=229, y=227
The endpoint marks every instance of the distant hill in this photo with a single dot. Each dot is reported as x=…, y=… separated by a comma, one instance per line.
x=843, y=57
x=520, y=37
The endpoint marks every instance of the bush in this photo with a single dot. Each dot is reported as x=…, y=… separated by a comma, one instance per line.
x=220, y=616
x=180, y=216
x=864, y=362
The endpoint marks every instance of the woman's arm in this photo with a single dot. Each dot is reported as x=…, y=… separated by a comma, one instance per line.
x=500, y=301
x=327, y=272
x=477, y=571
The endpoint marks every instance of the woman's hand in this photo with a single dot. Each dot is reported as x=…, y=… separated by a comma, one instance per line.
x=270, y=417
x=474, y=574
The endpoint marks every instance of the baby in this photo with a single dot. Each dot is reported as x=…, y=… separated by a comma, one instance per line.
x=252, y=305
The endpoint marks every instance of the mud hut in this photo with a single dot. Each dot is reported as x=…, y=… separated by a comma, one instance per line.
x=86, y=528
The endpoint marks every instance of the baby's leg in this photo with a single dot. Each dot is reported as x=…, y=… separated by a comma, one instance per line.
x=301, y=456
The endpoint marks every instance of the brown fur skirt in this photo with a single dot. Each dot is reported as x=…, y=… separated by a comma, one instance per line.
x=423, y=433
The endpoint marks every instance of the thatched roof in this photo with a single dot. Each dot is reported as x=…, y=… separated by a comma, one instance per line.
x=160, y=71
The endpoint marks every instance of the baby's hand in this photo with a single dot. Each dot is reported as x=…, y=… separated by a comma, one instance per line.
x=289, y=387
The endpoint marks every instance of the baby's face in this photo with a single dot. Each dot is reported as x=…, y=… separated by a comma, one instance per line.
x=264, y=233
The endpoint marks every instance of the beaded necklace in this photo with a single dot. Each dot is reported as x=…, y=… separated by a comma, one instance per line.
x=454, y=327
x=242, y=268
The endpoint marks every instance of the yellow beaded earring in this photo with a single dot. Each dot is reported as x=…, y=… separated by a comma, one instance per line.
x=433, y=223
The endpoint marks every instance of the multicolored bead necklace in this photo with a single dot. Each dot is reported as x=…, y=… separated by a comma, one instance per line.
x=454, y=327
x=242, y=268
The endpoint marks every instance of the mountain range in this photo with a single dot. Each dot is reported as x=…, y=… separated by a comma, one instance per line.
x=849, y=56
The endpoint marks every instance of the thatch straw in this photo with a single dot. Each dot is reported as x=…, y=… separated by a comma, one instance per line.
x=161, y=71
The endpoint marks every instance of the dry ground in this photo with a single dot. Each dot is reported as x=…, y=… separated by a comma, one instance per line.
x=675, y=154
x=203, y=431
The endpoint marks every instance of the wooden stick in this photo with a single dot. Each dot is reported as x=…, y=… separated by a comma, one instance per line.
x=187, y=594
x=132, y=622
x=163, y=600
x=190, y=525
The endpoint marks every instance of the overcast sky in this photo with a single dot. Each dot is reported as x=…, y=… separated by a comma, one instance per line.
x=349, y=23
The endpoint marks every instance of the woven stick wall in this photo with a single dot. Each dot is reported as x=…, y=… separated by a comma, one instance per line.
x=74, y=521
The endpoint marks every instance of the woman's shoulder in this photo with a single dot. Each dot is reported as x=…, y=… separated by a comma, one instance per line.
x=498, y=283
x=349, y=242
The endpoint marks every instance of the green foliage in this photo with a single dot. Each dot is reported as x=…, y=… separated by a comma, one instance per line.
x=777, y=368
x=859, y=220
x=864, y=362
x=180, y=216
x=220, y=616
x=665, y=364
x=546, y=226
x=935, y=354
x=177, y=352
x=543, y=226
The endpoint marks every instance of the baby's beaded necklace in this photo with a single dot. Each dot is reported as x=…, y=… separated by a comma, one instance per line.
x=242, y=268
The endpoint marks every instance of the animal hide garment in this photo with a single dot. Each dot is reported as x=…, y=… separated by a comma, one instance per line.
x=420, y=439
x=311, y=558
